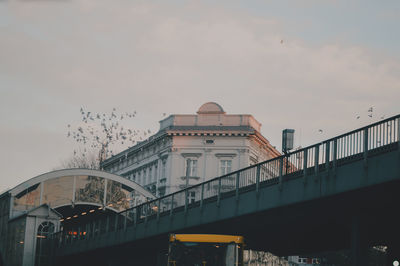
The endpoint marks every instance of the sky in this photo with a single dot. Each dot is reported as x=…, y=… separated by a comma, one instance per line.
x=306, y=65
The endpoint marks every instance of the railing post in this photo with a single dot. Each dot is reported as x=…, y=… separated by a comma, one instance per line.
x=280, y=172
x=146, y=212
x=327, y=151
x=125, y=220
x=67, y=239
x=305, y=158
x=366, y=147
x=79, y=233
x=60, y=238
x=158, y=209
x=186, y=199
x=135, y=216
x=398, y=134
x=202, y=196
x=88, y=231
x=237, y=185
x=398, y=129
x=258, y=173
x=172, y=205
x=219, y=191
x=94, y=229
x=334, y=157
x=108, y=224
x=316, y=161
x=116, y=222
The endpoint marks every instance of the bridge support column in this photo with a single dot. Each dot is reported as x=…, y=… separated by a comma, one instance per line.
x=359, y=247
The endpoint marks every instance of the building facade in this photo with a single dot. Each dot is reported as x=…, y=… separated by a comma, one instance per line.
x=215, y=143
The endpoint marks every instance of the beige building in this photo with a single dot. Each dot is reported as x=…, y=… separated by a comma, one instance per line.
x=215, y=142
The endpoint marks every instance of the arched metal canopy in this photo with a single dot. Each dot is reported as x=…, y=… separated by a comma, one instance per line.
x=77, y=186
x=79, y=172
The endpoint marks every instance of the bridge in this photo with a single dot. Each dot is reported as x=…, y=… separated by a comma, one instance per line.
x=338, y=194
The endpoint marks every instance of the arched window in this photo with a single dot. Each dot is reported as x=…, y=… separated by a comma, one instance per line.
x=45, y=228
x=42, y=249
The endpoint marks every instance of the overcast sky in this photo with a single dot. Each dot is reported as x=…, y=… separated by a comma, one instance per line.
x=306, y=65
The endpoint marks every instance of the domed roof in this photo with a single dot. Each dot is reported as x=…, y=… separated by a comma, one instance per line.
x=211, y=108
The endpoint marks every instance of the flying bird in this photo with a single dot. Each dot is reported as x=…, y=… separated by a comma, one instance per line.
x=320, y=130
x=358, y=117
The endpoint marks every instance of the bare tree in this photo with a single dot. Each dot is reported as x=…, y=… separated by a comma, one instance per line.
x=89, y=161
x=99, y=136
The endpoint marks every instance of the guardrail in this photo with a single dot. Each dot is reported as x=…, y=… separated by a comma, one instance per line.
x=324, y=156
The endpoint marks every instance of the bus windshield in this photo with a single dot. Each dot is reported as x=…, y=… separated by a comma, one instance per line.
x=203, y=254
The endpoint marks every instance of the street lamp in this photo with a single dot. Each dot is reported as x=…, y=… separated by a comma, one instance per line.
x=287, y=144
x=287, y=140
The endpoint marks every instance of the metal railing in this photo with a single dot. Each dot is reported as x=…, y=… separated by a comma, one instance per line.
x=327, y=155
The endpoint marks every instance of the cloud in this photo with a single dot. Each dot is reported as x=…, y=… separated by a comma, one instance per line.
x=158, y=58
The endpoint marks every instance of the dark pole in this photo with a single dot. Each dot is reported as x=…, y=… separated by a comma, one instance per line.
x=359, y=247
x=188, y=162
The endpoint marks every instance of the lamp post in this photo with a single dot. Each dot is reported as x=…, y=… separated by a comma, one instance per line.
x=287, y=144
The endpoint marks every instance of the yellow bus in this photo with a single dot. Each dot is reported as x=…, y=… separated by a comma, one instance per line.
x=205, y=250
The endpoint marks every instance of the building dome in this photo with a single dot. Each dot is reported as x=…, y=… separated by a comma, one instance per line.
x=211, y=108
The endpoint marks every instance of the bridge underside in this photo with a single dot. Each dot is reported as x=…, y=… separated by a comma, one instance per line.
x=305, y=228
x=323, y=225
x=298, y=218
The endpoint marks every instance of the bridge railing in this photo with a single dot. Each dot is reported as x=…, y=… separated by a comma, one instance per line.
x=326, y=155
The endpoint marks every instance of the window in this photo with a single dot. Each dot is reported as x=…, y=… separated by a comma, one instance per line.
x=193, y=167
x=151, y=174
x=152, y=189
x=192, y=197
x=163, y=169
x=225, y=167
x=161, y=192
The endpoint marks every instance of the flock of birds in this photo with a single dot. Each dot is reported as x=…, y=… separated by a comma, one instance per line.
x=370, y=114
x=100, y=131
x=103, y=130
